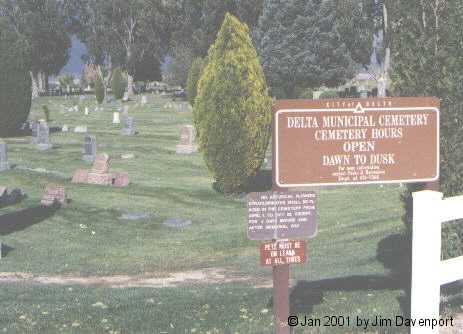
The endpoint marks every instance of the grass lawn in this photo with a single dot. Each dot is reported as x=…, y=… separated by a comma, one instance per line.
x=355, y=245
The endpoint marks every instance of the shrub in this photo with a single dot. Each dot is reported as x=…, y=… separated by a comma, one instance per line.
x=193, y=76
x=232, y=110
x=306, y=93
x=329, y=94
x=15, y=81
x=118, y=85
x=99, y=89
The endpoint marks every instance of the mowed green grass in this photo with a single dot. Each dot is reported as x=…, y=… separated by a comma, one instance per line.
x=88, y=238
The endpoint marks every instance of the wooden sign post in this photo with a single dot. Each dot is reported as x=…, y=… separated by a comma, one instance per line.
x=279, y=216
x=331, y=143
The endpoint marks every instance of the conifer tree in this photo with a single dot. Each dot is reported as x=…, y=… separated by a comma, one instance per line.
x=232, y=111
x=299, y=45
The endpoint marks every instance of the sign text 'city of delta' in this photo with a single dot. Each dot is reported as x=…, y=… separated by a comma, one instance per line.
x=356, y=141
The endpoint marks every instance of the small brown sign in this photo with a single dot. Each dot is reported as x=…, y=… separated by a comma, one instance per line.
x=282, y=252
x=281, y=215
x=356, y=141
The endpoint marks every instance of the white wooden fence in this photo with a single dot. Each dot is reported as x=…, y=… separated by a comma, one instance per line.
x=430, y=210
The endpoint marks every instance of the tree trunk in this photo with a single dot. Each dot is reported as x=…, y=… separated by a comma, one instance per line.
x=107, y=80
x=384, y=75
x=129, y=76
x=35, y=87
x=45, y=78
x=130, y=85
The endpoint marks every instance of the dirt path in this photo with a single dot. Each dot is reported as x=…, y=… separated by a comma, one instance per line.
x=150, y=280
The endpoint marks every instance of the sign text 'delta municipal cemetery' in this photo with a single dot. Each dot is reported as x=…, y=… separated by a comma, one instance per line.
x=281, y=215
x=355, y=141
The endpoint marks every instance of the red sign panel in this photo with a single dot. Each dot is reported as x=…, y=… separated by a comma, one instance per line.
x=281, y=215
x=282, y=252
x=356, y=141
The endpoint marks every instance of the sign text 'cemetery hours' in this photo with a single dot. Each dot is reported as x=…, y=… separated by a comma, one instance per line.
x=355, y=141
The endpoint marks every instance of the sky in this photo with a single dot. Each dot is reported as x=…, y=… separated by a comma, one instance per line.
x=75, y=63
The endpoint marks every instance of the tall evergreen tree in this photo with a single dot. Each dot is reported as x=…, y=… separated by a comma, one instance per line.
x=232, y=110
x=15, y=81
x=427, y=61
x=43, y=25
x=298, y=43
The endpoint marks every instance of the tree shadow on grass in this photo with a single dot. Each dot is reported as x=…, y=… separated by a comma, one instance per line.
x=18, y=221
x=261, y=182
x=5, y=249
x=392, y=252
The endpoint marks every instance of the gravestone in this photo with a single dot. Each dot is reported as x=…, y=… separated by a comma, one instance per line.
x=34, y=128
x=116, y=118
x=43, y=136
x=3, y=157
x=99, y=174
x=89, y=148
x=65, y=128
x=134, y=216
x=125, y=98
x=54, y=195
x=176, y=222
x=80, y=176
x=86, y=111
x=80, y=129
x=3, y=193
x=101, y=164
x=120, y=179
x=144, y=100
x=187, y=138
x=128, y=126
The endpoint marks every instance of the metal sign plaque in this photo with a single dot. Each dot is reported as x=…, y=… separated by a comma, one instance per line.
x=281, y=215
x=282, y=252
x=355, y=141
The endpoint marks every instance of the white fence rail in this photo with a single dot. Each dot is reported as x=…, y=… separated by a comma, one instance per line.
x=430, y=210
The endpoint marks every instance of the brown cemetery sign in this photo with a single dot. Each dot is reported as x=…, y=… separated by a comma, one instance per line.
x=282, y=252
x=355, y=141
x=281, y=215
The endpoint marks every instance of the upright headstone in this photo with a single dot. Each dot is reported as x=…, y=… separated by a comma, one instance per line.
x=80, y=129
x=144, y=100
x=125, y=98
x=99, y=174
x=65, y=128
x=128, y=126
x=34, y=125
x=116, y=118
x=54, y=195
x=89, y=148
x=43, y=136
x=86, y=111
x=3, y=157
x=187, y=138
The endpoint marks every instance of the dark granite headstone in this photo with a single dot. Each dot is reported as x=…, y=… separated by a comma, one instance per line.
x=89, y=148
